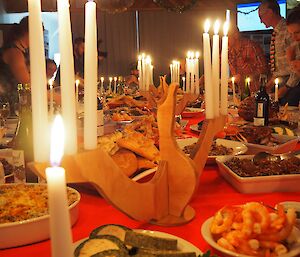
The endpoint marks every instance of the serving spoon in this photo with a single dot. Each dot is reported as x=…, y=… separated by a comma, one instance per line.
x=265, y=156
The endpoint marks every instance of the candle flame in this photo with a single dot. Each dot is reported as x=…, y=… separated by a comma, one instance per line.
x=50, y=82
x=197, y=54
x=248, y=80
x=102, y=79
x=183, y=79
x=206, y=26
x=110, y=79
x=139, y=57
x=216, y=27
x=225, y=28
x=276, y=81
x=57, y=141
x=232, y=80
x=192, y=55
x=115, y=78
x=77, y=82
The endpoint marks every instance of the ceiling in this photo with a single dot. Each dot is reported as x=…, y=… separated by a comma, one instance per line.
x=144, y=5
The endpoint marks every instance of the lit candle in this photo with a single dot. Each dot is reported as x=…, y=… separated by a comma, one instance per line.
x=248, y=84
x=90, y=77
x=139, y=67
x=143, y=80
x=38, y=82
x=224, y=71
x=233, y=87
x=50, y=82
x=101, y=85
x=115, y=84
x=216, y=68
x=188, y=72
x=77, y=82
x=109, y=87
x=60, y=232
x=67, y=76
x=276, y=89
x=209, y=109
x=148, y=71
x=183, y=84
x=192, y=72
x=197, y=73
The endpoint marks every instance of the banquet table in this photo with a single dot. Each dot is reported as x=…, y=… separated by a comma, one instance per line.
x=212, y=194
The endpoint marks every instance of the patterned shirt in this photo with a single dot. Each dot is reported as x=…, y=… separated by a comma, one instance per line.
x=282, y=42
x=247, y=60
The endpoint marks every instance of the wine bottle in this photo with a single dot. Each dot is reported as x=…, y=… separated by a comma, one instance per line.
x=262, y=102
x=23, y=137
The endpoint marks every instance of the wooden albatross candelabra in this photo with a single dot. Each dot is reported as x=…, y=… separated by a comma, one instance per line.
x=164, y=199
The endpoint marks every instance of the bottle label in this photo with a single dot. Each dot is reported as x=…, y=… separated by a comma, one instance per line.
x=259, y=122
x=260, y=110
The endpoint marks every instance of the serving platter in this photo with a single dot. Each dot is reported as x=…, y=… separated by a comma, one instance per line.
x=35, y=229
x=208, y=237
x=182, y=244
x=258, y=184
x=237, y=147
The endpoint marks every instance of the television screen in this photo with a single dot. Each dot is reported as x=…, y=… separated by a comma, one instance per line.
x=251, y=21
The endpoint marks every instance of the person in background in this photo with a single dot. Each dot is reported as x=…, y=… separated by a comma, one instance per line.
x=50, y=68
x=293, y=26
x=133, y=78
x=246, y=59
x=14, y=58
x=79, y=57
x=269, y=13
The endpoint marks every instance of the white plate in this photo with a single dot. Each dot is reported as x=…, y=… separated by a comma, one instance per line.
x=191, y=112
x=182, y=244
x=205, y=231
x=32, y=230
x=259, y=184
x=238, y=147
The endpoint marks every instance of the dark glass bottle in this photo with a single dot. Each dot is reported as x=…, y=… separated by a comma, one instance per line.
x=23, y=138
x=246, y=91
x=262, y=103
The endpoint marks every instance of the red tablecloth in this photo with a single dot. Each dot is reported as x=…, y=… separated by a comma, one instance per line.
x=213, y=193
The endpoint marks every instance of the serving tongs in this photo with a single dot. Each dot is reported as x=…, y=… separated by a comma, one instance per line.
x=265, y=156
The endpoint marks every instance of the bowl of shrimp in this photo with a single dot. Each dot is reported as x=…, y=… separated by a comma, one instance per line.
x=253, y=229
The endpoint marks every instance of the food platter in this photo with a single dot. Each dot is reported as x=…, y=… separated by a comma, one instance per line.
x=237, y=147
x=33, y=230
x=182, y=244
x=258, y=184
x=208, y=237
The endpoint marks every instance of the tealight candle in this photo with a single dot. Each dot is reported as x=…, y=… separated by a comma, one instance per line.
x=276, y=89
x=233, y=87
x=60, y=232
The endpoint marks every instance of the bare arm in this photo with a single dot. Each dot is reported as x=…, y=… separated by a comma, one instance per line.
x=16, y=61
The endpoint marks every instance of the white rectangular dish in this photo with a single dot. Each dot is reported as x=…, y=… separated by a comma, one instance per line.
x=259, y=184
x=287, y=144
